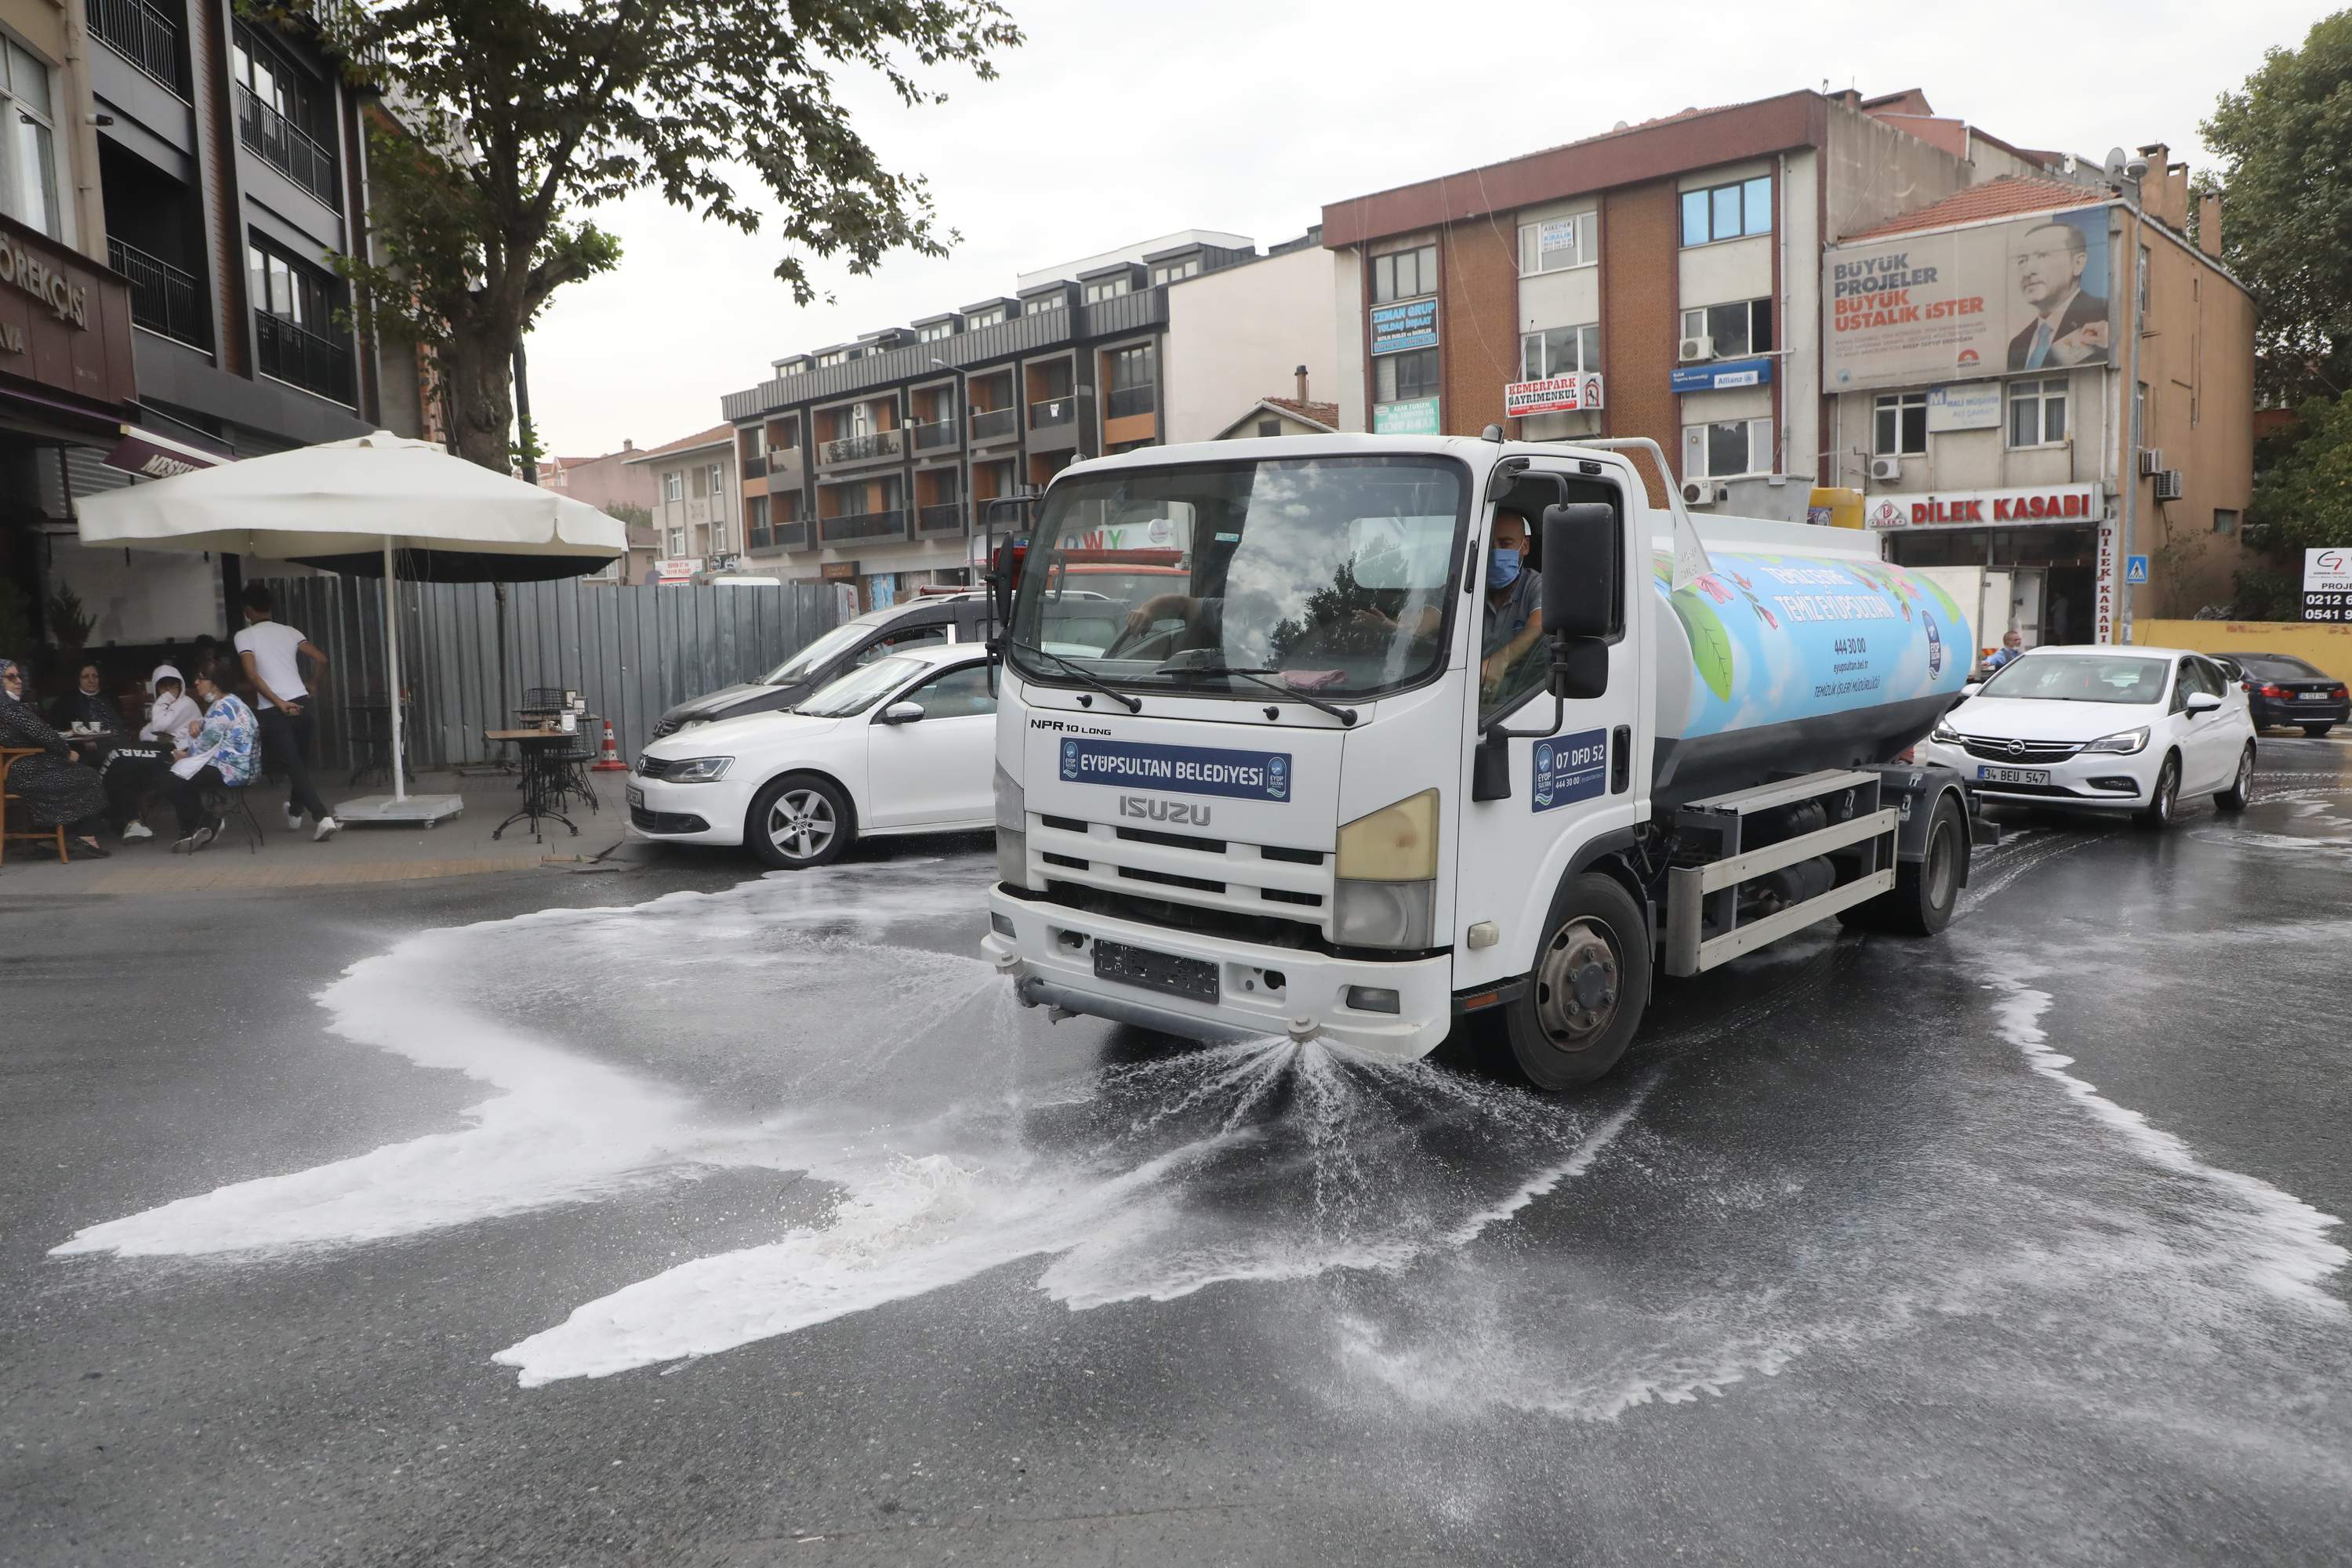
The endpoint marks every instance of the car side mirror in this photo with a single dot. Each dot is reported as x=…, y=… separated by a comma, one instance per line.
x=1973, y=687
x=2203, y=702
x=902, y=713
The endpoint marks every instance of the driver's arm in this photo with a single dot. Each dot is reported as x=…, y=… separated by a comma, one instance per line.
x=1500, y=662
x=1167, y=606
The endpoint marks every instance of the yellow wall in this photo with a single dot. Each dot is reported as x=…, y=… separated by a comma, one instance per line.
x=2327, y=645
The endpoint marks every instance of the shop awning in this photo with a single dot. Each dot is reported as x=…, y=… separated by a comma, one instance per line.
x=152, y=456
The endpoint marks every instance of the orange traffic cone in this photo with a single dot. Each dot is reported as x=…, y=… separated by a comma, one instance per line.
x=610, y=763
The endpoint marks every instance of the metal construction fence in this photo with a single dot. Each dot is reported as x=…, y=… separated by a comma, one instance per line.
x=631, y=652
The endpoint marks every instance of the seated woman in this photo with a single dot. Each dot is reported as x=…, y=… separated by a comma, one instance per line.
x=226, y=755
x=55, y=791
x=132, y=771
x=87, y=704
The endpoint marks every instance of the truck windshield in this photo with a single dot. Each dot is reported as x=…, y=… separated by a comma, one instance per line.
x=1330, y=575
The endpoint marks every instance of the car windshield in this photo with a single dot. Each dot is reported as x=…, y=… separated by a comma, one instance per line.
x=1328, y=573
x=861, y=687
x=804, y=664
x=2081, y=677
x=2279, y=666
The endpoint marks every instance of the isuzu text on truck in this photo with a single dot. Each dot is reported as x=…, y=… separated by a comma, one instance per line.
x=1314, y=785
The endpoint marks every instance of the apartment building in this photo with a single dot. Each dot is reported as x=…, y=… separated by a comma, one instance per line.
x=615, y=483
x=1661, y=280
x=872, y=461
x=697, y=486
x=2046, y=381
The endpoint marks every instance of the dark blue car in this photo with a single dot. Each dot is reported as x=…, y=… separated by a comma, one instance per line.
x=2283, y=690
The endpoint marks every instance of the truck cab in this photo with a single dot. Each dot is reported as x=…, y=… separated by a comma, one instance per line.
x=1358, y=774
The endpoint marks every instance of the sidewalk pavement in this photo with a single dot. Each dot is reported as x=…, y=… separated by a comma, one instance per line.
x=461, y=846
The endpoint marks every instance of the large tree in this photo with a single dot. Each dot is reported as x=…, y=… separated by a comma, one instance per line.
x=2286, y=145
x=521, y=117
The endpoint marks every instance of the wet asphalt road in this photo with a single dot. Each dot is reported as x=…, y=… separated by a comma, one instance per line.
x=711, y=1221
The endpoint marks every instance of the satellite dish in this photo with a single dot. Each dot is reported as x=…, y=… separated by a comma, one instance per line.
x=2115, y=162
x=1620, y=125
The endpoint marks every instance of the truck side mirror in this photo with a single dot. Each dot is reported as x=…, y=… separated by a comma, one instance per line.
x=1580, y=569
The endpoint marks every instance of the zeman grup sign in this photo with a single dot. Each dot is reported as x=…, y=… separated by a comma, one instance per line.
x=1990, y=300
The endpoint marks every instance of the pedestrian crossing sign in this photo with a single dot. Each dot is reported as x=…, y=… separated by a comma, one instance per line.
x=2135, y=568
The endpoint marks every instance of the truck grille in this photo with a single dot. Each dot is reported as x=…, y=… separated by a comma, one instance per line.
x=2020, y=750
x=1292, y=886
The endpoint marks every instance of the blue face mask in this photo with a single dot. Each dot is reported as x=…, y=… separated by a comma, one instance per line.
x=1502, y=567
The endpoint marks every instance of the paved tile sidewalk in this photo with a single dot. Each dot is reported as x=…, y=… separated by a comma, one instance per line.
x=459, y=846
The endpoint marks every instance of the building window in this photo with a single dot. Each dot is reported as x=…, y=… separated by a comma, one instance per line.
x=1132, y=372
x=676, y=540
x=2139, y=415
x=1899, y=425
x=1044, y=302
x=2224, y=521
x=937, y=331
x=1269, y=426
x=32, y=144
x=1727, y=212
x=1726, y=448
x=701, y=484
x=2037, y=412
x=1399, y=378
x=755, y=523
x=296, y=338
x=673, y=488
x=718, y=539
x=2143, y=286
x=1103, y=288
x=785, y=436
x=978, y=318
x=838, y=356
x=284, y=113
x=1559, y=350
x=1742, y=327
x=1176, y=271
x=718, y=489
x=1404, y=275
x=1557, y=243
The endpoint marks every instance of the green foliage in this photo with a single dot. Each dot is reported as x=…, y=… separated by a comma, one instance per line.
x=16, y=627
x=521, y=117
x=2261, y=594
x=2286, y=145
x=633, y=516
x=2303, y=500
x=68, y=622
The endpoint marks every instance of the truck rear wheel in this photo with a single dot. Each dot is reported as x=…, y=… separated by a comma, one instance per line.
x=1927, y=889
x=1590, y=983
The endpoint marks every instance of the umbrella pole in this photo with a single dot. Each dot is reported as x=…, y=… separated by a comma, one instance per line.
x=392, y=665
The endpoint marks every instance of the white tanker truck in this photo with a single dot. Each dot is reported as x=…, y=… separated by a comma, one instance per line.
x=1282, y=750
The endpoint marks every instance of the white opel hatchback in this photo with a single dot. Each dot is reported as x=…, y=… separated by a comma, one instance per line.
x=905, y=745
x=2102, y=729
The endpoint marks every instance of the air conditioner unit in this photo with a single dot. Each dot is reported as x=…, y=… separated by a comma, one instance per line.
x=1703, y=492
x=1697, y=349
x=2168, y=484
x=2151, y=461
x=1886, y=468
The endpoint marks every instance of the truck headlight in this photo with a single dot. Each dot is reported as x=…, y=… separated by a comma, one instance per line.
x=1386, y=890
x=1011, y=830
x=2128, y=741
x=697, y=769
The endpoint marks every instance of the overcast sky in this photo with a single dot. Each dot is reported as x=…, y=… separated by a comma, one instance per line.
x=1118, y=121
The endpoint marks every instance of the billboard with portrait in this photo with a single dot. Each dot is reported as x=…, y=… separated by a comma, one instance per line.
x=1997, y=299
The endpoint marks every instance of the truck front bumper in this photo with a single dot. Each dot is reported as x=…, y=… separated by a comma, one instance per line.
x=1049, y=957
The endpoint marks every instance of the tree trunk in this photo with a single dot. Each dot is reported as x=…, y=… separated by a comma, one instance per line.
x=481, y=399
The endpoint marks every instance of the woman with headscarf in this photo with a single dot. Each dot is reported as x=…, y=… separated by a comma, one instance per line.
x=55, y=791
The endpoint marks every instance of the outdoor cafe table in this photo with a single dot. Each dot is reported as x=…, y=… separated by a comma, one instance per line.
x=543, y=775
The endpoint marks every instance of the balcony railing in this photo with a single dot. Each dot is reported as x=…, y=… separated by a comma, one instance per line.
x=1052, y=411
x=163, y=298
x=859, y=449
x=863, y=525
x=287, y=147
x=755, y=467
x=1125, y=401
x=790, y=535
x=935, y=438
x=146, y=37
x=312, y=363
x=945, y=517
x=995, y=424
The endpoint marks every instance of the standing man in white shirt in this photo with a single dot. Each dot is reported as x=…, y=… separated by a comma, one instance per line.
x=273, y=652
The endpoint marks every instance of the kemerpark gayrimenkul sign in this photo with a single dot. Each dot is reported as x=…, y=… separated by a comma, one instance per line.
x=2021, y=295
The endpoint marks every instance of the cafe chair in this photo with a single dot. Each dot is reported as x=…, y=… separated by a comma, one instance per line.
x=37, y=835
x=232, y=806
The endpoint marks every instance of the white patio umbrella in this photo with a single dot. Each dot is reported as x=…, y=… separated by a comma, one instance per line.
x=379, y=505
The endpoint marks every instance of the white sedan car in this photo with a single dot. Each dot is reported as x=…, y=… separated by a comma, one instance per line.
x=905, y=745
x=2102, y=729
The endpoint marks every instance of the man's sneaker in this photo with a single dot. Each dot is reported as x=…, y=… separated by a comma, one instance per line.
x=293, y=819
x=201, y=837
x=137, y=831
x=328, y=828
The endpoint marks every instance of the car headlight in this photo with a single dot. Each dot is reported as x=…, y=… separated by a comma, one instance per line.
x=1943, y=734
x=1386, y=890
x=2128, y=741
x=698, y=769
x=1011, y=830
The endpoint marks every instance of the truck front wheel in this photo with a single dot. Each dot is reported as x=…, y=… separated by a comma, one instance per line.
x=1591, y=984
x=1925, y=891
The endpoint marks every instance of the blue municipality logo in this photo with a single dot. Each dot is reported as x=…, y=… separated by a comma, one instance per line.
x=1277, y=777
x=1543, y=775
x=1934, y=645
x=1069, y=758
